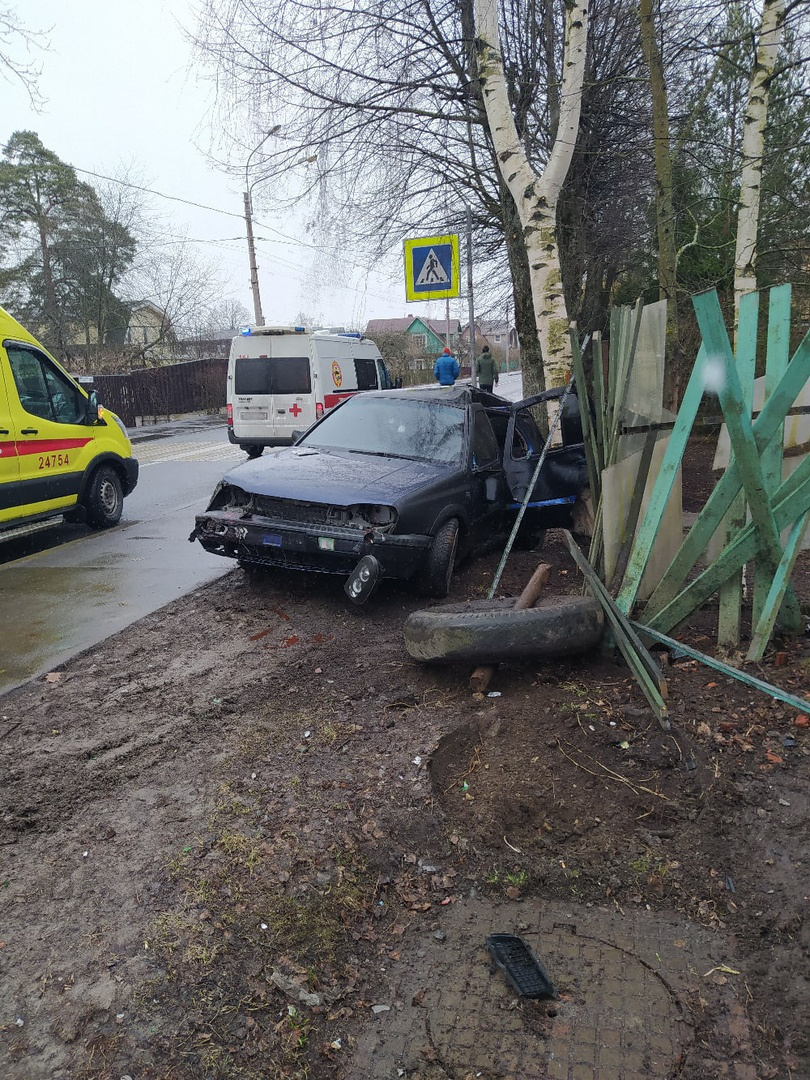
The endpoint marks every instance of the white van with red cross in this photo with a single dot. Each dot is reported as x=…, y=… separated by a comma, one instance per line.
x=281, y=379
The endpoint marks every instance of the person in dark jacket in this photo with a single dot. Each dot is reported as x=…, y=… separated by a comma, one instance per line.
x=446, y=368
x=487, y=370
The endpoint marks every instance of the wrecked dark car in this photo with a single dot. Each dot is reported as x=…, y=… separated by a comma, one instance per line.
x=415, y=478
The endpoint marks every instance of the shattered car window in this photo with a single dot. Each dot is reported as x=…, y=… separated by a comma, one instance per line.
x=420, y=430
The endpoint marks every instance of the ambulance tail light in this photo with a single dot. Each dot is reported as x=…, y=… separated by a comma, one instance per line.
x=230, y=415
x=318, y=410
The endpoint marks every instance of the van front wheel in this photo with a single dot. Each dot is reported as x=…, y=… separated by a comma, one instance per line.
x=105, y=498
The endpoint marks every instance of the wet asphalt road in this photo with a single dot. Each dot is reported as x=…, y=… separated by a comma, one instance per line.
x=69, y=587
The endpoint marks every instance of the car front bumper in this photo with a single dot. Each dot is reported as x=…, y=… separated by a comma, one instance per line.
x=262, y=542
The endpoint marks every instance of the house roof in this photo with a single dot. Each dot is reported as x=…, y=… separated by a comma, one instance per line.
x=439, y=327
x=389, y=326
x=401, y=326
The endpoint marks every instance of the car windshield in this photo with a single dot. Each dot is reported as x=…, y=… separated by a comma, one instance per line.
x=394, y=427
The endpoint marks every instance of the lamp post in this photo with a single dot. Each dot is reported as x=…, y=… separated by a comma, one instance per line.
x=254, y=270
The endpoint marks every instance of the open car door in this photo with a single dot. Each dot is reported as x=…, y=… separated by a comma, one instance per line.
x=564, y=473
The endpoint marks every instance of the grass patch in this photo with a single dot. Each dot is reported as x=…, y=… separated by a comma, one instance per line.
x=250, y=903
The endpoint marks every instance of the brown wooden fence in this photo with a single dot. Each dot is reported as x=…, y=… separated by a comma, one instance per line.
x=192, y=386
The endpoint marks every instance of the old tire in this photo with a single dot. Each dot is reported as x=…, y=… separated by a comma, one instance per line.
x=434, y=580
x=491, y=631
x=104, y=500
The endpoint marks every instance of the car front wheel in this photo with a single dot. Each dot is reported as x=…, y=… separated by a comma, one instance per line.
x=441, y=558
x=105, y=498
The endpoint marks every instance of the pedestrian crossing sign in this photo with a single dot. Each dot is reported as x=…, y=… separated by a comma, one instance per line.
x=431, y=267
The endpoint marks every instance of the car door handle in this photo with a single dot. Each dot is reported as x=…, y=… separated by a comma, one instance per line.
x=29, y=431
x=4, y=431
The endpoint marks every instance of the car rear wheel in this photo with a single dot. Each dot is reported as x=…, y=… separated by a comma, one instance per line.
x=441, y=558
x=105, y=498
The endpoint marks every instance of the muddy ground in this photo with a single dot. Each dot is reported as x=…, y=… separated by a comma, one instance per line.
x=222, y=828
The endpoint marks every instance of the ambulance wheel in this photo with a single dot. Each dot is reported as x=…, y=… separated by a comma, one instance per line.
x=441, y=558
x=104, y=499
x=253, y=450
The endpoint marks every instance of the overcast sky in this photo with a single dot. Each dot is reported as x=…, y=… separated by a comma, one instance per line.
x=120, y=93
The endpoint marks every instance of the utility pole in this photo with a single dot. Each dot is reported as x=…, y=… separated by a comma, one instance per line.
x=254, y=270
x=470, y=305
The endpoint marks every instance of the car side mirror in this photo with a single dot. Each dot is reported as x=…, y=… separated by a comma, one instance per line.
x=296, y=435
x=91, y=409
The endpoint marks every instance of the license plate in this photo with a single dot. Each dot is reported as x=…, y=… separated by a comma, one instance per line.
x=248, y=416
x=271, y=539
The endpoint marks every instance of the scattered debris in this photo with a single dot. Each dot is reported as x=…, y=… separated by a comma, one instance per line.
x=521, y=967
x=293, y=989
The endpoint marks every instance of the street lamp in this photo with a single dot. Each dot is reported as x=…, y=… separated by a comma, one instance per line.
x=254, y=270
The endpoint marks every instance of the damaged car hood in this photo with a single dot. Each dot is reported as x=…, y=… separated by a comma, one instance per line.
x=332, y=476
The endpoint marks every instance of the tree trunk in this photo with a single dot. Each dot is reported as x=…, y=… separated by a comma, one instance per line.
x=536, y=197
x=531, y=359
x=753, y=144
x=664, y=215
x=51, y=311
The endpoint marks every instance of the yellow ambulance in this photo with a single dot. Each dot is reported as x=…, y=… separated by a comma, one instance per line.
x=61, y=454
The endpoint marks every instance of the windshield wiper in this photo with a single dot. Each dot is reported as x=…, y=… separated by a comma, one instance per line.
x=372, y=453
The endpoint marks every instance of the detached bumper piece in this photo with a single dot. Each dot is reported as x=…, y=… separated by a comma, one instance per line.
x=521, y=967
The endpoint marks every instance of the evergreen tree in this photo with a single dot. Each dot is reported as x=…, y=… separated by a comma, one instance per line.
x=63, y=256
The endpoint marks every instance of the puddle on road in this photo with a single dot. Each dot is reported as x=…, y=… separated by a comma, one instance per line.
x=53, y=612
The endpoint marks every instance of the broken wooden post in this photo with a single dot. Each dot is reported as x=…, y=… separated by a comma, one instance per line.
x=482, y=676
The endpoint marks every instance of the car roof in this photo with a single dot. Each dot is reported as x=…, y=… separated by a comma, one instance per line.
x=459, y=395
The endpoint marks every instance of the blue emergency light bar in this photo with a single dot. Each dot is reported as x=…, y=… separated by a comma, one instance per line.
x=245, y=331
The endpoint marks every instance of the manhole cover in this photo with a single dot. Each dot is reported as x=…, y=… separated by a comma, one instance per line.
x=617, y=1016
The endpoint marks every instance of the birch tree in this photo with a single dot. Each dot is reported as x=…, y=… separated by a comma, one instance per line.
x=14, y=34
x=386, y=97
x=753, y=150
x=536, y=196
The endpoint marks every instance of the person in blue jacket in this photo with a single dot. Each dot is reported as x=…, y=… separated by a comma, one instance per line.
x=446, y=368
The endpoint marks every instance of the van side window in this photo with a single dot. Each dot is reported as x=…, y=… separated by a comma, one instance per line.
x=366, y=374
x=43, y=390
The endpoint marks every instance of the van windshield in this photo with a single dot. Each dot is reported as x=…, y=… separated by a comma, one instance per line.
x=272, y=375
x=393, y=427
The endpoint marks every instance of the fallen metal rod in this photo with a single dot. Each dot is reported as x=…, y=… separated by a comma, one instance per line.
x=529, y=491
x=725, y=669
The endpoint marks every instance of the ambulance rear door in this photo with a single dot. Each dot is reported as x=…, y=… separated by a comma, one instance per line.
x=292, y=405
x=272, y=390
